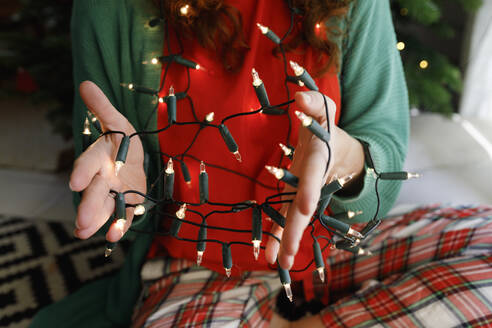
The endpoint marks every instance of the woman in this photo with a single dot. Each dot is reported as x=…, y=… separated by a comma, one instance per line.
x=360, y=75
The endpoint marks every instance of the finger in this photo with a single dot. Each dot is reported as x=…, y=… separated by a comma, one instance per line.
x=100, y=218
x=312, y=104
x=302, y=208
x=119, y=227
x=92, y=202
x=273, y=245
x=85, y=168
x=97, y=102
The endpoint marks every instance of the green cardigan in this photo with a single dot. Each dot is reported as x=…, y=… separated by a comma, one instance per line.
x=111, y=39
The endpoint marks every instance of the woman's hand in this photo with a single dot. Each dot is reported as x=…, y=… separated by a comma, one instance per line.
x=94, y=170
x=309, y=164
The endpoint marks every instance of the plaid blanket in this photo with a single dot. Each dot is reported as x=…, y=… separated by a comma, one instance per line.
x=430, y=268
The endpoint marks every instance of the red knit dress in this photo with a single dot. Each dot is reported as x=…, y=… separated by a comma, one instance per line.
x=213, y=89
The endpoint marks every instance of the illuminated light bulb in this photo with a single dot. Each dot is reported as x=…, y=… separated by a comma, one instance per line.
x=227, y=259
x=318, y=26
x=303, y=77
x=256, y=248
x=154, y=61
x=400, y=45
x=184, y=10
x=278, y=173
x=87, y=130
x=346, y=179
x=363, y=251
x=161, y=100
x=283, y=175
x=298, y=70
x=199, y=257
x=139, y=210
x=287, y=150
x=120, y=224
x=198, y=66
x=93, y=119
x=305, y=119
x=117, y=167
x=171, y=106
x=256, y=78
x=269, y=33
x=313, y=126
x=109, y=249
x=423, y=64
x=351, y=214
x=318, y=260
x=285, y=280
x=169, y=168
x=354, y=233
x=263, y=29
x=321, y=274
x=210, y=117
x=201, y=244
x=413, y=175
x=121, y=155
x=230, y=142
x=181, y=213
x=129, y=86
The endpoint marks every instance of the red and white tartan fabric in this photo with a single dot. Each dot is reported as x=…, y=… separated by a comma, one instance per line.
x=431, y=267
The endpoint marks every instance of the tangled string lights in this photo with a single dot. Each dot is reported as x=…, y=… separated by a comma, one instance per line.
x=341, y=235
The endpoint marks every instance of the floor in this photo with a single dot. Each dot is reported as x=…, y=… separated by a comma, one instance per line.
x=454, y=156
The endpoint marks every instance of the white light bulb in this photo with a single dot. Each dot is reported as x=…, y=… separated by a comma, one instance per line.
x=256, y=248
x=321, y=274
x=139, y=210
x=298, y=70
x=117, y=167
x=169, y=168
x=181, y=213
x=306, y=120
x=87, y=130
x=199, y=257
x=288, y=292
x=184, y=10
x=262, y=28
x=210, y=117
x=154, y=61
x=256, y=78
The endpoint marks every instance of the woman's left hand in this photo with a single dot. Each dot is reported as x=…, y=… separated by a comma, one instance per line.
x=309, y=165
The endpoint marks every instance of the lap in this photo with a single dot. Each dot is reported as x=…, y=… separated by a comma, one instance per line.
x=430, y=266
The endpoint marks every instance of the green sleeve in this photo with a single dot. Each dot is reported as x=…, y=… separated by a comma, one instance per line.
x=374, y=102
x=106, y=34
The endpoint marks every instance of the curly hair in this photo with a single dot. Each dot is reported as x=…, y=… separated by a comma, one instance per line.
x=219, y=28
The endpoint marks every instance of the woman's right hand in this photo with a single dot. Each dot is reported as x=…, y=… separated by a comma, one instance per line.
x=94, y=171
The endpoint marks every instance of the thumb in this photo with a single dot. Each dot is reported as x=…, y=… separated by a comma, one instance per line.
x=97, y=102
x=313, y=104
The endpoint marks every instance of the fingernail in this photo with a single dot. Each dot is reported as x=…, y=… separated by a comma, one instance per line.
x=70, y=185
x=77, y=224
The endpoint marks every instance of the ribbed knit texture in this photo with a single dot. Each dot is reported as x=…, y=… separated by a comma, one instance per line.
x=110, y=42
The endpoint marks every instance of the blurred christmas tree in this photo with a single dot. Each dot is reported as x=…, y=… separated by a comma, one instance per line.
x=35, y=56
x=422, y=27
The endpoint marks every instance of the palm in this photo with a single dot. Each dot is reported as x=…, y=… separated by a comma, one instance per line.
x=94, y=170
